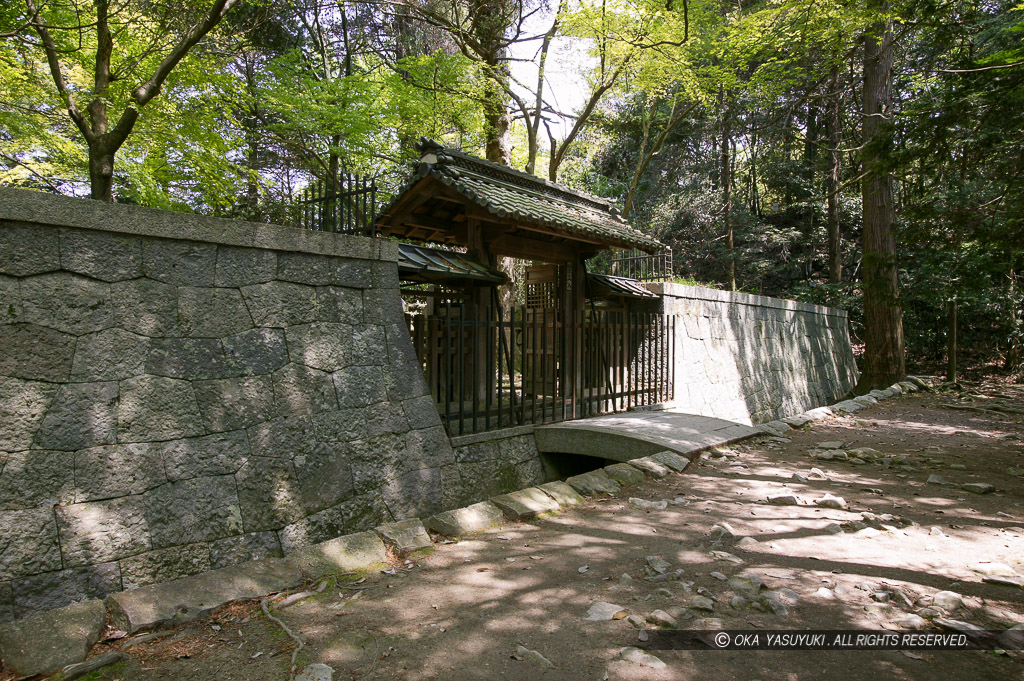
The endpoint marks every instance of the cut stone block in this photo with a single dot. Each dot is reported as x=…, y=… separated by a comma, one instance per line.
x=593, y=483
x=798, y=421
x=525, y=503
x=818, y=414
x=192, y=598
x=404, y=536
x=51, y=590
x=460, y=521
x=562, y=493
x=29, y=541
x=343, y=554
x=164, y=565
x=776, y=428
x=847, y=407
x=651, y=467
x=45, y=643
x=624, y=474
x=672, y=460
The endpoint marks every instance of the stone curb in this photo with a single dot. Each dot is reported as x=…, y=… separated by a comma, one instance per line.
x=49, y=641
x=404, y=536
x=780, y=427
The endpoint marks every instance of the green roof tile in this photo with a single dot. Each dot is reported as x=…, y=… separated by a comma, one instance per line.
x=507, y=192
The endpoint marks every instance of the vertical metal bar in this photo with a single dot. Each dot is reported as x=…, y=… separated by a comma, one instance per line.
x=629, y=358
x=606, y=366
x=357, y=224
x=587, y=322
x=577, y=383
x=613, y=360
x=319, y=204
x=522, y=365
x=662, y=328
x=348, y=203
x=448, y=365
x=654, y=359
x=595, y=362
x=462, y=368
x=475, y=350
x=560, y=363
x=533, y=367
x=660, y=358
x=592, y=350
x=622, y=360
x=501, y=362
x=489, y=368
x=373, y=208
x=333, y=205
x=541, y=350
x=674, y=350
x=653, y=348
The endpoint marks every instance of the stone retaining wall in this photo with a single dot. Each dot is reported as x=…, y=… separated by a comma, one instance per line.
x=751, y=358
x=180, y=393
x=497, y=462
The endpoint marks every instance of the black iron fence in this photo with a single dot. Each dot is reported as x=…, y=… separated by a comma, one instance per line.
x=642, y=266
x=345, y=203
x=488, y=371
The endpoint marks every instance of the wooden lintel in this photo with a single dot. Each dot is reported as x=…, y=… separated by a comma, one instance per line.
x=532, y=249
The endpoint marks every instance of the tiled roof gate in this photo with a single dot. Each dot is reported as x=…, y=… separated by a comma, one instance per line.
x=510, y=196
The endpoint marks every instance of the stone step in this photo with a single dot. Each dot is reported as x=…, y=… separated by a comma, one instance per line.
x=49, y=641
x=461, y=521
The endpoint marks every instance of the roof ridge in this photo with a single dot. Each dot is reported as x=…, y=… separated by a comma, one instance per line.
x=440, y=151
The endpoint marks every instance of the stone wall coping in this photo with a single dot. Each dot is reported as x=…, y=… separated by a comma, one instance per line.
x=23, y=205
x=490, y=436
x=674, y=290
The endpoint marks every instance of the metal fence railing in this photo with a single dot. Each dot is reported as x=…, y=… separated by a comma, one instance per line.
x=345, y=203
x=642, y=266
x=488, y=371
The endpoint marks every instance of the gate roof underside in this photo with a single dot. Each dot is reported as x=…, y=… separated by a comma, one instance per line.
x=520, y=215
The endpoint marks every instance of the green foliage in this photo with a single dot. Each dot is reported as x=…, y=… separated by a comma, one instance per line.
x=284, y=92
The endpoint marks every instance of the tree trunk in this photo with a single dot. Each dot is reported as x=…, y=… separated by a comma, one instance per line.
x=1015, y=354
x=726, y=183
x=497, y=121
x=951, y=347
x=884, y=362
x=810, y=165
x=101, y=169
x=835, y=263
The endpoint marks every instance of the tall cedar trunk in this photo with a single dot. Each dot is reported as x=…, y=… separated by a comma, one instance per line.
x=884, y=362
x=835, y=263
x=951, y=343
x=497, y=121
x=810, y=164
x=1015, y=355
x=250, y=124
x=726, y=184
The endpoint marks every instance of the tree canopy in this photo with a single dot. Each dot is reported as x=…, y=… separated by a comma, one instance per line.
x=744, y=135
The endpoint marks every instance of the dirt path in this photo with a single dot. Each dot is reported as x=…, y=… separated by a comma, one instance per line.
x=462, y=611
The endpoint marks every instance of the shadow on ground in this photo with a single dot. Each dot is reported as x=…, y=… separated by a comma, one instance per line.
x=461, y=612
